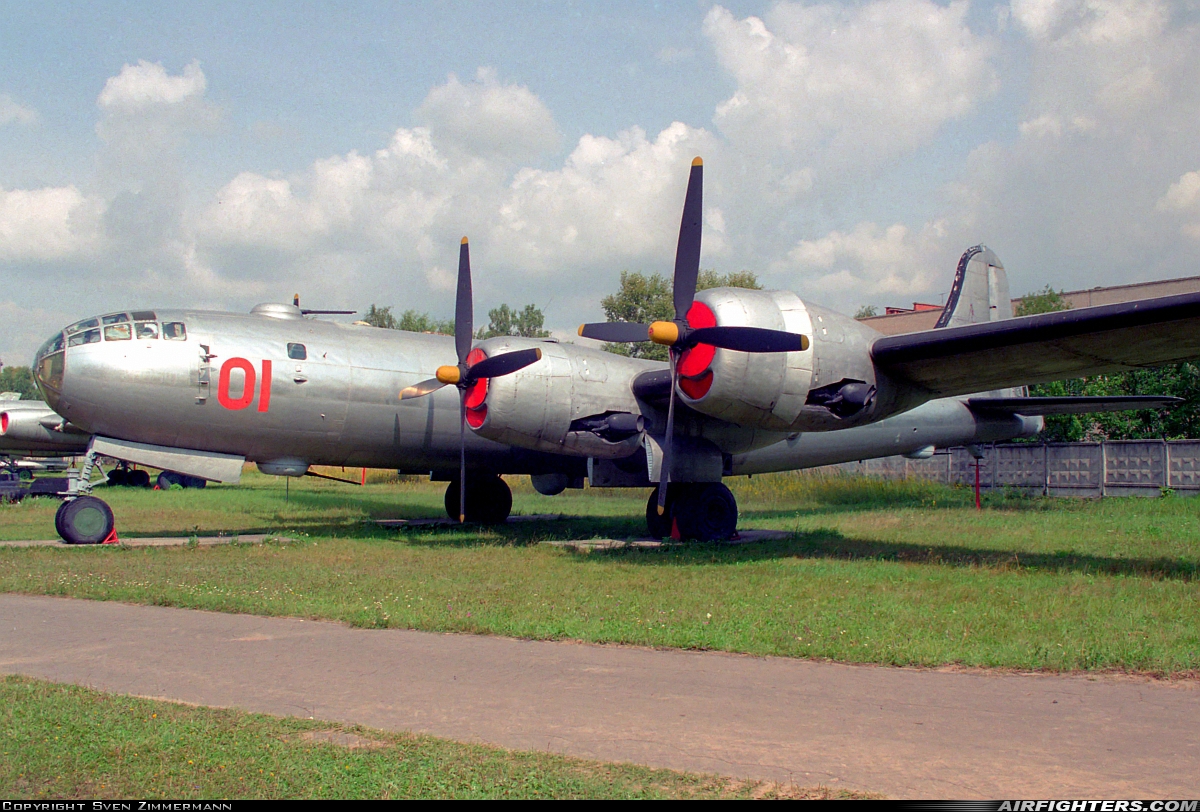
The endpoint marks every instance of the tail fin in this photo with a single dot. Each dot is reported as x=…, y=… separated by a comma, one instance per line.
x=980, y=291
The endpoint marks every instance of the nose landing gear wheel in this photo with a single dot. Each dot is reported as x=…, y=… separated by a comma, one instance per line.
x=84, y=520
x=489, y=500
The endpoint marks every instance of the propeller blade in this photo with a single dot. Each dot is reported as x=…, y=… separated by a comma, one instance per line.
x=505, y=364
x=464, y=312
x=462, y=451
x=421, y=389
x=617, y=332
x=748, y=339
x=687, y=253
x=664, y=479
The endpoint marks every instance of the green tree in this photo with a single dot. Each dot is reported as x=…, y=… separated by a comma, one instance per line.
x=866, y=312
x=380, y=317
x=412, y=321
x=645, y=299
x=1046, y=300
x=19, y=379
x=506, y=321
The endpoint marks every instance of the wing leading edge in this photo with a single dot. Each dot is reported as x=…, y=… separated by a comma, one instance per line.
x=1045, y=347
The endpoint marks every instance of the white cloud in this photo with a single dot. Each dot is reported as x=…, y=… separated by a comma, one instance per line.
x=46, y=225
x=487, y=119
x=868, y=262
x=1184, y=196
x=848, y=84
x=13, y=112
x=147, y=84
x=616, y=200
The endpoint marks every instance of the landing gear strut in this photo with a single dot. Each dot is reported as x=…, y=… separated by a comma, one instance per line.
x=82, y=518
x=706, y=511
x=489, y=501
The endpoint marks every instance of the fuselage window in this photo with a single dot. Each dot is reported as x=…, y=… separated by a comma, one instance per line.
x=297, y=352
x=118, y=332
x=116, y=318
x=144, y=315
x=86, y=324
x=147, y=329
x=86, y=337
x=174, y=331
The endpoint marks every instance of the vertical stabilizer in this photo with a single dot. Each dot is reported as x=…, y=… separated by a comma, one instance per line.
x=980, y=290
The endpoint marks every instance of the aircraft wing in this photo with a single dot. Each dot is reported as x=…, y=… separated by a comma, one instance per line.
x=1046, y=347
x=1071, y=404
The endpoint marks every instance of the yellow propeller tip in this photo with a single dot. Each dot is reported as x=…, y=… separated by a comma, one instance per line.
x=538, y=352
x=462, y=519
x=580, y=330
x=661, y=509
x=464, y=240
x=697, y=161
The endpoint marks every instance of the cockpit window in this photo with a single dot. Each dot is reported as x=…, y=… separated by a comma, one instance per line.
x=116, y=318
x=297, y=352
x=174, y=331
x=146, y=329
x=144, y=315
x=118, y=332
x=86, y=337
x=86, y=324
x=53, y=345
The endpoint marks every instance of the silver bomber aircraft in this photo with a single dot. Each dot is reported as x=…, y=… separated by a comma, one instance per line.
x=757, y=381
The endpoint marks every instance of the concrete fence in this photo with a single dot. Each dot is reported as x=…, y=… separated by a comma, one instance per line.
x=1111, y=468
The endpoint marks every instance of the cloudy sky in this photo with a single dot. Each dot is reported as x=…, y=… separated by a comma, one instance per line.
x=220, y=155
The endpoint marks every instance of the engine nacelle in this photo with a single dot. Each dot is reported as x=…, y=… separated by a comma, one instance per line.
x=830, y=385
x=36, y=428
x=573, y=401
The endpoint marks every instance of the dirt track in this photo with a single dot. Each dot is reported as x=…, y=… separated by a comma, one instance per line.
x=902, y=732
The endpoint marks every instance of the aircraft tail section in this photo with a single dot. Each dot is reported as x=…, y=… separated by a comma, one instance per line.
x=980, y=291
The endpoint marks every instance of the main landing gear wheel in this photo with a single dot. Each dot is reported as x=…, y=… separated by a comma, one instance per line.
x=84, y=520
x=489, y=501
x=706, y=511
x=660, y=526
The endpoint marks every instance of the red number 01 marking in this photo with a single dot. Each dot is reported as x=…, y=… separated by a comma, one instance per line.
x=248, y=385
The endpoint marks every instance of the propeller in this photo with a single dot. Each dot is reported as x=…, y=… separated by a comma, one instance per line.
x=678, y=335
x=465, y=374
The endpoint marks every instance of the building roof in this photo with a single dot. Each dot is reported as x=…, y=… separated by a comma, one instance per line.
x=923, y=318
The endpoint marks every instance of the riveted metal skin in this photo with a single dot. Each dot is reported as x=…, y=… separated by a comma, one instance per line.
x=770, y=390
x=337, y=406
x=534, y=407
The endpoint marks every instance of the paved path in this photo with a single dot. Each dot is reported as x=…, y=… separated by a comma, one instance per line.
x=902, y=732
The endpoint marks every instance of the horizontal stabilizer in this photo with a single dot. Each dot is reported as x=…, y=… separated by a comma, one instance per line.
x=1071, y=405
x=1046, y=347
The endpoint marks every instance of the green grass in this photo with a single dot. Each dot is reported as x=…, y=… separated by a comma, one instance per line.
x=63, y=742
x=904, y=573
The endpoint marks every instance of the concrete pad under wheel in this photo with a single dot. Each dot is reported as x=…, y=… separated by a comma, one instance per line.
x=448, y=522
x=741, y=537
x=158, y=541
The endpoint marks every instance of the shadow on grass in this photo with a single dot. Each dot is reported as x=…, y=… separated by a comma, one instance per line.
x=831, y=544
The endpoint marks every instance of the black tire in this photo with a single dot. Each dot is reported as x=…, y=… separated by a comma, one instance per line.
x=168, y=478
x=58, y=520
x=659, y=527
x=489, y=500
x=118, y=477
x=706, y=511
x=138, y=479
x=85, y=520
x=194, y=482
